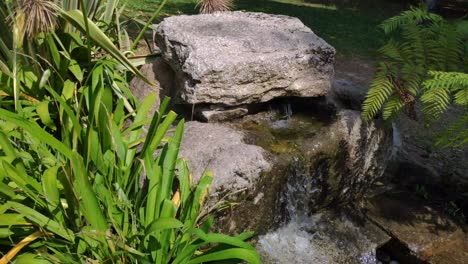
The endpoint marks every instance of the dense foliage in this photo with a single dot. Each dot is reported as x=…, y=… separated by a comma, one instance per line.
x=79, y=180
x=423, y=62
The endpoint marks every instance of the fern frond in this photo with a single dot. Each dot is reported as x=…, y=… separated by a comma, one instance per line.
x=420, y=42
x=453, y=80
x=456, y=135
x=436, y=101
x=451, y=45
x=414, y=37
x=392, y=108
x=439, y=89
x=413, y=16
x=461, y=97
x=391, y=50
x=381, y=89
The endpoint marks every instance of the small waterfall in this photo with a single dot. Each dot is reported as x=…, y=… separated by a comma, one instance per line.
x=325, y=237
x=324, y=163
x=287, y=108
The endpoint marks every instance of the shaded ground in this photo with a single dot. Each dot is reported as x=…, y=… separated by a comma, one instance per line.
x=420, y=233
x=440, y=175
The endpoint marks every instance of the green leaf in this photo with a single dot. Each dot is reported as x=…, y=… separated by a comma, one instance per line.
x=169, y=160
x=13, y=220
x=27, y=184
x=220, y=238
x=184, y=181
x=42, y=110
x=89, y=202
x=42, y=220
x=35, y=131
x=51, y=192
x=76, y=18
x=75, y=69
x=234, y=253
x=28, y=258
x=163, y=224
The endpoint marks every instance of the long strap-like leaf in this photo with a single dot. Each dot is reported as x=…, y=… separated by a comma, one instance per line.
x=76, y=18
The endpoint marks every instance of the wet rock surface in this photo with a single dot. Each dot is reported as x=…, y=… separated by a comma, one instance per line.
x=420, y=234
x=348, y=94
x=235, y=58
x=285, y=205
x=443, y=171
x=213, y=114
x=343, y=161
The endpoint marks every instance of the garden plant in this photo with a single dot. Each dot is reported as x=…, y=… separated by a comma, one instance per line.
x=79, y=178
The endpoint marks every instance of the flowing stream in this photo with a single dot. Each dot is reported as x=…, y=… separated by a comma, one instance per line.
x=308, y=232
x=326, y=237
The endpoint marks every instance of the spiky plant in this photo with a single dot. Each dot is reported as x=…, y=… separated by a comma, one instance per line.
x=36, y=16
x=212, y=6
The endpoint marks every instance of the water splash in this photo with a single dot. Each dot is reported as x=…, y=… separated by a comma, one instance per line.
x=288, y=110
x=327, y=237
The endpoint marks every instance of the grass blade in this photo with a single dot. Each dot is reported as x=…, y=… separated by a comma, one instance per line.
x=42, y=220
x=36, y=131
x=17, y=248
x=233, y=253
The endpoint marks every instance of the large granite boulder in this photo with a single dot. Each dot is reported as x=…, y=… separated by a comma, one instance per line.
x=236, y=165
x=236, y=58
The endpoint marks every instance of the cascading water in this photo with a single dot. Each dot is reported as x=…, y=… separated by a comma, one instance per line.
x=326, y=237
x=333, y=166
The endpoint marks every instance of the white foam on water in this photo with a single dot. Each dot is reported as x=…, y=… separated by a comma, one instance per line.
x=313, y=240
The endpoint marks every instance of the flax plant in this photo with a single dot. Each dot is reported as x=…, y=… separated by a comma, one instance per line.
x=72, y=152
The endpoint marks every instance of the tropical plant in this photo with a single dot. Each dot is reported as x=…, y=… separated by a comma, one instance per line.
x=79, y=180
x=422, y=62
x=89, y=203
x=212, y=6
x=440, y=91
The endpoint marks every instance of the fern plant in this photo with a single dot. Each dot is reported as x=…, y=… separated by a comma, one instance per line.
x=440, y=91
x=419, y=42
x=423, y=61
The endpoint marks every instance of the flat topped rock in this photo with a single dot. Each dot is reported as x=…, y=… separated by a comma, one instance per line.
x=235, y=58
x=428, y=235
